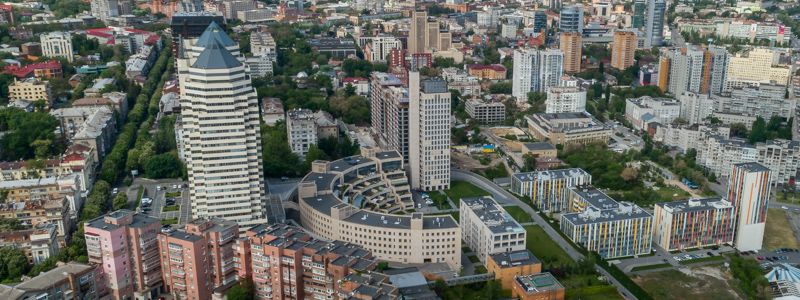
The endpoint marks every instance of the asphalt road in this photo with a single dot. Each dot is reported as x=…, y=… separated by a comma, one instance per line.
x=504, y=197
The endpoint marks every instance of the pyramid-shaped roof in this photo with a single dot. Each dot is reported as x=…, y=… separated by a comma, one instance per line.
x=215, y=56
x=212, y=33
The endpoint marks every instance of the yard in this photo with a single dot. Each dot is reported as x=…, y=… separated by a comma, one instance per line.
x=518, y=214
x=707, y=282
x=778, y=233
x=544, y=248
x=169, y=221
x=673, y=192
x=440, y=200
x=463, y=189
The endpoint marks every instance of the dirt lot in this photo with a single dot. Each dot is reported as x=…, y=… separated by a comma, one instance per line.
x=468, y=162
x=707, y=282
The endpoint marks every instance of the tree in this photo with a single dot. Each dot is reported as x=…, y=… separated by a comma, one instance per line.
x=314, y=153
x=244, y=290
x=739, y=130
x=629, y=174
x=353, y=109
x=758, y=133
x=120, y=201
x=529, y=161
x=502, y=87
x=279, y=160
x=166, y=165
x=28, y=135
x=13, y=264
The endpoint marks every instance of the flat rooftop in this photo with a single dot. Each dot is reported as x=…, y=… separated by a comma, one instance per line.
x=514, y=259
x=594, y=197
x=537, y=283
x=591, y=215
x=752, y=167
x=696, y=204
x=550, y=174
x=492, y=215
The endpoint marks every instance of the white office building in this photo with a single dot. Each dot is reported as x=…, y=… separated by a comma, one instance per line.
x=536, y=71
x=57, y=44
x=429, y=133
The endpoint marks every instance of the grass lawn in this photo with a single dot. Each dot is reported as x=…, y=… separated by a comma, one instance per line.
x=463, y=189
x=169, y=221
x=540, y=244
x=673, y=192
x=649, y=267
x=172, y=194
x=788, y=197
x=440, y=200
x=778, y=233
x=588, y=287
x=480, y=269
x=170, y=208
x=518, y=214
x=706, y=282
x=702, y=259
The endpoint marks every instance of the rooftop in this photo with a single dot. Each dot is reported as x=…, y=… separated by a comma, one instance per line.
x=625, y=211
x=514, y=258
x=594, y=197
x=695, y=204
x=752, y=167
x=537, y=283
x=492, y=215
x=215, y=56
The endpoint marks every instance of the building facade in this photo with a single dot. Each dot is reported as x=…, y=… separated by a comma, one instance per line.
x=429, y=133
x=749, y=191
x=693, y=223
x=623, y=49
x=565, y=99
x=57, y=44
x=571, y=45
x=536, y=71
x=549, y=190
x=486, y=112
x=488, y=229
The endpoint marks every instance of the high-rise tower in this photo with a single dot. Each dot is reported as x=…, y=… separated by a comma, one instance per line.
x=748, y=191
x=429, y=133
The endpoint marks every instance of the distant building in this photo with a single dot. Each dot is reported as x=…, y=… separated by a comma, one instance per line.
x=491, y=72
x=71, y=280
x=645, y=110
x=41, y=70
x=334, y=47
x=272, y=111
x=57, y=44
x=567, y=128
x=506, y=266
x=429, y=133
x=549, y=191
x=694, y=223
x=623, y=49
x=567, y=98
x=571, y=46
x=571, y=19
x=537, y=286
x=306, y=128
x=536, y=71
x=488, y=229
x=486, y=112
x=31, y=90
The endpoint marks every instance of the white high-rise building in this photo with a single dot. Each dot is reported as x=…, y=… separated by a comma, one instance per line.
x=536, y=71
x=429, y=133
x=565, y=98
x=748, y=191
x=221, y=133
x=57, y=44
x=104, y=9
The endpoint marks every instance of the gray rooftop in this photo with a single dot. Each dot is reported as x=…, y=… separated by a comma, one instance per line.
x=625, y=211
x=215, y=56
x=752, y=167
x=594, y=197
x=492, y=215
x=539, y=145
x=215, y=33
x=537, y=283
x=322, y=180
x=514, y=258
x=696, y=204
x=551, y=174
x=434, y=85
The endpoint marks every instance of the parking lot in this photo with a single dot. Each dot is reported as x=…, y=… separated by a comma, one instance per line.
x=167, y=199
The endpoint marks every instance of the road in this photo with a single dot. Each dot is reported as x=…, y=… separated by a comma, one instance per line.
x=504, y=197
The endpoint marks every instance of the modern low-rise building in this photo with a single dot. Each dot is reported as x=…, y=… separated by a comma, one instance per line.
x=622, y=230
x=31, y=90
x=486, y=112
x=693, y=223
x=506, y=266
x=488, y=229
x=567, y=128
x=359, y=199
x=549, y=190
x=539, y=286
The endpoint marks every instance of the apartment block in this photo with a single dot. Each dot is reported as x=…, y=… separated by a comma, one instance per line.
x=567, y=98
x=765, y=100
x=693, y=223
x=567, y=128
x=539, y=286
x=486, y=112
x=695, y=108
x=549, y=190
x=488, y=229
x=612, y=230
x=30, y=90
x=645, y=110
x=694, y=69
x=39, y=242
x=758, y=66
x=70, y=280
x=123, y=244
x=57, y=44
x=34, y=213
x=365, y=200
x=490, y=72
x=92, y=126
x=536, y=71
x=688, y=137
x=749, y=191
x=377, y=49
x=623, y=49
x=429, y=133
x=571, y=45
x=717, y=153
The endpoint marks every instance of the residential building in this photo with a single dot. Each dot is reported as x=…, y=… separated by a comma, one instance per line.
x=491, y=72
x=648, y=75
x=305, y=128
x=632, y=234
x=506, y=266
x=688, y=137
x=389, y=105
x=429, y=133
x=37, y=242
x=123, y=245
x=536, y=71
x=488, y=229
x=218, y=151
x=549, y=190
x=654, y=23
x=567, y=128
x=425, y=35
x=94, y=127
x=623, y=49
x=231, y=8
x=540, y=149
x=200, y=258
x=40, y=70
x=758, y=66
x=44, y=189
x=567, y=98
x=377, y=48
x=30, y=90
x=693, y=223
x=764, y=100
x=695, y=108
x=51, y=210
x=717, y=153
x=117, y=101
x=486, y=112
x=70, y=280
x=466, y=85
x=749, y=192
x=537, y=287
x=571, y=45
x=334, y=47
x=77, y=159
x=262, y=44
x=645, y=110
x=339, y=200
x=57, y=44
x=571, y=19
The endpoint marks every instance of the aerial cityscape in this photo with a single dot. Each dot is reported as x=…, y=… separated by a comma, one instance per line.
x=377, y=150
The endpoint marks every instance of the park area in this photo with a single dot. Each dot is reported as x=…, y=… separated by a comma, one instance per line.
x=706, y=282
x=778, y=232
x=463, y=189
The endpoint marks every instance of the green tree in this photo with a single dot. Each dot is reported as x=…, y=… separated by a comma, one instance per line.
x=120, y=201
x=165, y=165
x=529, y=161
x=13, y=264
x=244, y=290
x=739, y=130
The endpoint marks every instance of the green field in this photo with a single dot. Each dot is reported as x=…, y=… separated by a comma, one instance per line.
x=594, y=292
x=518, y=214
x=544, y=248
x=778, y=232
x=172, y=194
x=463, y=189
x=674, y=193
x=649, y=267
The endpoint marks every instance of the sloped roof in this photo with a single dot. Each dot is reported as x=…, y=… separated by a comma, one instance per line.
x=215, y=33
x=215, y=56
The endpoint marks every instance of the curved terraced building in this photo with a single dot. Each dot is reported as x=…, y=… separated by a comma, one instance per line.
x=366, y=200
